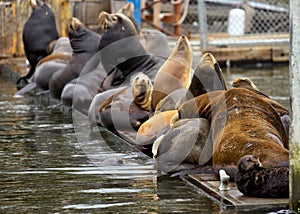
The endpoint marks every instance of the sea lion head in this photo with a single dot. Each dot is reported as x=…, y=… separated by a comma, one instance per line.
x=141, y=90
x=75, y=26
x=248, y=162
x=207, y=76
x=36, y=3
x=182, y=49
x=116, y=27
x=244, y=83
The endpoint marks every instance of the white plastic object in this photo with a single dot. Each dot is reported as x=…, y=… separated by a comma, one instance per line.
x=224, y=181
x=236, y=22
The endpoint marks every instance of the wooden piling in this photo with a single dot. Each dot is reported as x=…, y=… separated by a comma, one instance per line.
x=295, y=106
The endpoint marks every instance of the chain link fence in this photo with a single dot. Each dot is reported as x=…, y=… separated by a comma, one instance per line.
x=260, y=16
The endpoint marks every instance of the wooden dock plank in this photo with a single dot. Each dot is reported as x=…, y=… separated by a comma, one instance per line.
x=233, y=197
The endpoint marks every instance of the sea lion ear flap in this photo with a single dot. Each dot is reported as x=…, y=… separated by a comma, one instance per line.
x=33, y=4
x=127, y=10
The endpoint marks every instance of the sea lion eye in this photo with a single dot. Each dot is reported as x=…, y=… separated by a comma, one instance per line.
x=114, y=18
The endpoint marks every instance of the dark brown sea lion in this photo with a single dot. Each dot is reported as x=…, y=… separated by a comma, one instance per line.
x=242, y=122
x=254, y=180
x=174, y=73
x=38, y=32
x=98, y=99
x=85, y=44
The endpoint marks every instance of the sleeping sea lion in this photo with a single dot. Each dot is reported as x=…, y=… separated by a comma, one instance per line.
x=253, y=179
x=242, y=122
x=281, y=110
x=85, y=44
x=38, y=32
x=148, y=131
x=174, y=73
x=172, y=149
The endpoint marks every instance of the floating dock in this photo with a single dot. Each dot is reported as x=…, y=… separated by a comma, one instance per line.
x=10, y=69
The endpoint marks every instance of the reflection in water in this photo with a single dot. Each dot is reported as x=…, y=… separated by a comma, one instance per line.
x=45, y=168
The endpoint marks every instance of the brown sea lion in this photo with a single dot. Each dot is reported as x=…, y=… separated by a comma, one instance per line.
x=282, y=111
x=253, y=179
x=242, y=122
x=174, y=73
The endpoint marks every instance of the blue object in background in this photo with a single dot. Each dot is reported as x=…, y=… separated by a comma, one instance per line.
x=137, y=11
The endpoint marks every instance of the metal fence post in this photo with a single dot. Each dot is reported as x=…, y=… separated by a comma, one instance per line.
x=202, y=24
x=295, y=105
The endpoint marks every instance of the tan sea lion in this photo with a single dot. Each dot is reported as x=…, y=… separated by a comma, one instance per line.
x=148, y=131
x=242, y=123
x=174, y=73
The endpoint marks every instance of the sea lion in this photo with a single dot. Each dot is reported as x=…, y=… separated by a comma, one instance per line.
x=206, y=77
x=80, y=91
x=253, y=179
x=131, y=104
x=38, y=32
x=57, y=60
x=172, y=149
x=148, y=131
x=85, y=44
x=98, y=99
x=174, y=73
x=155, y=43
x=281, y=110
x=142, y=91
x=242, y=122
x=122, y=53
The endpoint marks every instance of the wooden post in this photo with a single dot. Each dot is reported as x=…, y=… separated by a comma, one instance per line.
x=295, y=105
